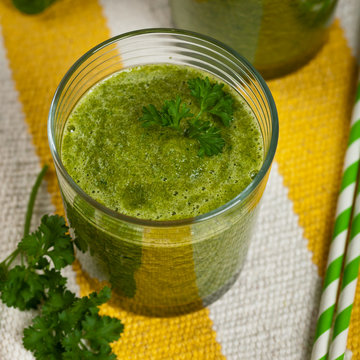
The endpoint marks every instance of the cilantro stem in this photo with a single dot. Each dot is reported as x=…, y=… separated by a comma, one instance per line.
x=30, y=206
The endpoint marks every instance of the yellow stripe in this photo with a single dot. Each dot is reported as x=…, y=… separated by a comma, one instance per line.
x=150, y=338
x=178, y=287
x=314, y=107
x=40, y=49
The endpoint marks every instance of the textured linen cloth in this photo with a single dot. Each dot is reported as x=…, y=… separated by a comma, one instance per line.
x=270, y=312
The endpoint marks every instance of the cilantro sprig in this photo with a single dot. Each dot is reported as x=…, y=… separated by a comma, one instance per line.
x=211, y=99
x=67, y=327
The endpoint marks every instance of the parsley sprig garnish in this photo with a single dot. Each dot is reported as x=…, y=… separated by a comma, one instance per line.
x=170, y=116
x=68, y=327
x=211, y=99
x=208, y=136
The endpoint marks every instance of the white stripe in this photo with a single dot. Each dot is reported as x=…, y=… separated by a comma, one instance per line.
x=353, y=250
x=321, y=346
x=349, y=13
x=352, y=154
x=252, y=319
x=329, y=296
x=19, y=168
x=22, y=166
x=356, y=113
x=338, y=345
x=124, y=16
x=357, y=205
x=337, y=247
x=346, y=297
x=348, y=355
x=346, y=198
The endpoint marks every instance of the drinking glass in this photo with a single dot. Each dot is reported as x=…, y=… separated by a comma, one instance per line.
x=163, y=267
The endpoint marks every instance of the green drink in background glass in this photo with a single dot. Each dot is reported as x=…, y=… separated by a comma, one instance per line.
x=167, y=228
x=276, y=36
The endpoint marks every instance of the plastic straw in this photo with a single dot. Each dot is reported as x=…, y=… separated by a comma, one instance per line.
x=340, y=235
x=348, y=288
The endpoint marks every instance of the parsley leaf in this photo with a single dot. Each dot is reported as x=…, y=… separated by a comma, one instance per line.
x=212, y=99
x=50, y=240
x=43, y=337
x=57, y=301
x=96, y=332
x=68, y=327
x=208, y=136
x=223, y=109
x=152, y=116
x=170, y=115
x=23, y=288
x=76, y=332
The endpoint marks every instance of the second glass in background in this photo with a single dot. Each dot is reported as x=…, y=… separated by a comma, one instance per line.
x=276, y=36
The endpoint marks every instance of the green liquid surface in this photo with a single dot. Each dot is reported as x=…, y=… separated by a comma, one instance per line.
x=155, y=173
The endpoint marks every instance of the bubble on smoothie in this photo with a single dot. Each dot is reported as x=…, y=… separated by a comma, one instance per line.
x=253, y=174
x=71, y=128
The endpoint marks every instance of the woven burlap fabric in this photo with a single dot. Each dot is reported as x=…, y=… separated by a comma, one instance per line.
x=270, y=313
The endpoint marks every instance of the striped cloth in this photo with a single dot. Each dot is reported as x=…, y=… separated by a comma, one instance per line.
x=270, y=312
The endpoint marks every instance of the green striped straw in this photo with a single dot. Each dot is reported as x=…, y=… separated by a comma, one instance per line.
x=348, y=288
x=340, y=234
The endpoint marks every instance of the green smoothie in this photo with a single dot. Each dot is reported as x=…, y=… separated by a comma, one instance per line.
x=153, y=173
x=158, y=173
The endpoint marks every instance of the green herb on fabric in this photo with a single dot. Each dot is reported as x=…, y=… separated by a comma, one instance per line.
x=211, y=99
x=68, y=327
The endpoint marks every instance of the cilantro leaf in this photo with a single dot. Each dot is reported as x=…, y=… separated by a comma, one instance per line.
x=170, y=116
x=208, y=136
x=212, y=99
x=50, y=240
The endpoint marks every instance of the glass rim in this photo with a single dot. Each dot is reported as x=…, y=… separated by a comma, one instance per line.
x=178, y=222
